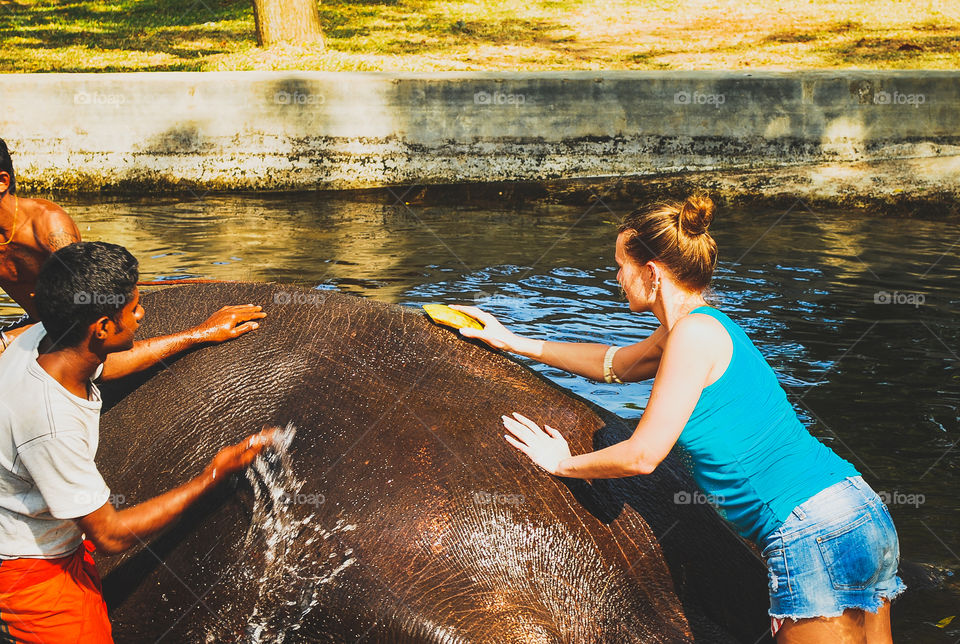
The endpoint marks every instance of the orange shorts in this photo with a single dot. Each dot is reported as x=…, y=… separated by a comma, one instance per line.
x=44, y=601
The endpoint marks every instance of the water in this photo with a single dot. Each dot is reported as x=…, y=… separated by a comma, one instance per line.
x=300, y=553
x=857, y=314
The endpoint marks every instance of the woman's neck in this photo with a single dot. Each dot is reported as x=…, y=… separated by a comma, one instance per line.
x=674, y=303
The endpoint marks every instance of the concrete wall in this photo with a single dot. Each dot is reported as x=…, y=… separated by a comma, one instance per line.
x=282, y=130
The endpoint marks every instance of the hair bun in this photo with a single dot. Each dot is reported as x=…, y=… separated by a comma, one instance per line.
x=696, y=214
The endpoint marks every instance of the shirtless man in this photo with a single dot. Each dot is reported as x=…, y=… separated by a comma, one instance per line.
x=31, y=230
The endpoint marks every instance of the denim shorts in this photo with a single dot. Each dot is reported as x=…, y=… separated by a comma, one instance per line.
x=836, y=550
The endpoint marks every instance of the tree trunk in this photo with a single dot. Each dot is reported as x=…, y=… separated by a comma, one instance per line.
x=294, y=21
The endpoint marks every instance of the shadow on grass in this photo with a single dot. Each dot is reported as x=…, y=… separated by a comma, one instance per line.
x=173, y=27
x=862, y=48
x=419, y=27
x=874, y=50
x=193, y=30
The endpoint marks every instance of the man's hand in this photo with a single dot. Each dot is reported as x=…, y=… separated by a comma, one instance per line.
x=235, y=458
x=227, y=323
x=230, y=322
x=114, y=531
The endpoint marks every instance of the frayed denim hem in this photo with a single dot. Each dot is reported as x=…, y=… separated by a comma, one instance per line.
x=874, y=606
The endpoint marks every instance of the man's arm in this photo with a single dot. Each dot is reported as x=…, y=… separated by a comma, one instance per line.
x=6, y=337
x=114, y=531
x=227, y=323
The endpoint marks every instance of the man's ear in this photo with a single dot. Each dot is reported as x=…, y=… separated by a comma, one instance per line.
x=100, y=330
x=4, y=181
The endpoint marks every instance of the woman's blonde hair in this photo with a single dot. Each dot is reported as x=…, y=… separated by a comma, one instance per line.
x=675, y=234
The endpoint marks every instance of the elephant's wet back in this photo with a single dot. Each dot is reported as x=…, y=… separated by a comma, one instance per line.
x=408, y=517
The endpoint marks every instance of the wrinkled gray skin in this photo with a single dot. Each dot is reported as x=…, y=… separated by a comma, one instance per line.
x=414, y=521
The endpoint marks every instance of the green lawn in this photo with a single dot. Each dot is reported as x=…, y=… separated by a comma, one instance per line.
x=430, y=35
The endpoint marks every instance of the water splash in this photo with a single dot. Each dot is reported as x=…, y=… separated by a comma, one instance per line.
x=298, y=556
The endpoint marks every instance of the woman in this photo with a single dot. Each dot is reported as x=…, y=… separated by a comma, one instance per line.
x=828, y=540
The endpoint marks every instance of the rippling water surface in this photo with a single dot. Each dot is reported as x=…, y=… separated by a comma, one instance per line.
x=857, y=314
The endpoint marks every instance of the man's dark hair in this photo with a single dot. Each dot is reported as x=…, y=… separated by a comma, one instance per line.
x=81, y=283
x=6, y=165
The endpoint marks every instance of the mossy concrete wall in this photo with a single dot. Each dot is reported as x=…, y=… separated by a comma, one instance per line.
x=309, y=130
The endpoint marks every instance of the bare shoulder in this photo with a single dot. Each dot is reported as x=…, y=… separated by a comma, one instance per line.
x=699, y=328
x=52, y=226
x=701, y=339
x=698, y=345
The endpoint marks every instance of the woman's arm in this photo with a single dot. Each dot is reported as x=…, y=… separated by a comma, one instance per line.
x=692, y=351
x=632, y=363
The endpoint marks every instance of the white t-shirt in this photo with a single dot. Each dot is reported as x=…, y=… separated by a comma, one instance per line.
x=48, y=440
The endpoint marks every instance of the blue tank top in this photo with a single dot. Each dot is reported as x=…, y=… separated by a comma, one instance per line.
x=746, y=448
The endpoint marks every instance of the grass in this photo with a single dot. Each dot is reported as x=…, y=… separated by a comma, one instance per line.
x=436, y=35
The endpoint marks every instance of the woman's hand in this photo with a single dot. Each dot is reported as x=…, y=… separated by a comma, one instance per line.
x=493, y=332
x=545, y=448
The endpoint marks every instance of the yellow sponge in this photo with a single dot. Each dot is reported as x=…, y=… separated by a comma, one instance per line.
x=443, y=314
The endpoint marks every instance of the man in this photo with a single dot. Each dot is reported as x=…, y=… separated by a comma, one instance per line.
x=33, y=229
x=51, y=494
x=30, y=231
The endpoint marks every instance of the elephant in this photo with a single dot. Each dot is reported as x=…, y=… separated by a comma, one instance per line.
x=396, y=512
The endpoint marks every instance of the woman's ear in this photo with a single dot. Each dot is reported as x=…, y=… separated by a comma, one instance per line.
x=654, y=272
x=4, y=181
